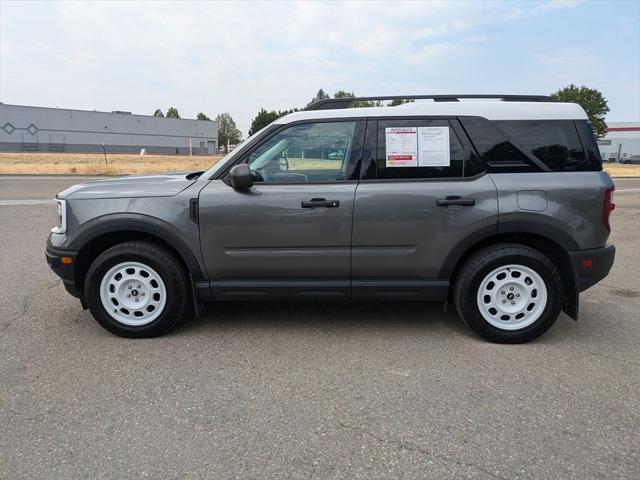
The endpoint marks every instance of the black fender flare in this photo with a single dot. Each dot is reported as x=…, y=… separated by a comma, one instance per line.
x=135, y=222
x=543, y=229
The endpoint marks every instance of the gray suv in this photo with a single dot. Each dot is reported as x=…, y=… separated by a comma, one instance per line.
x=497, y=204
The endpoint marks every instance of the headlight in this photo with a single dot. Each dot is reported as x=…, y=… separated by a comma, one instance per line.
x=61, y=227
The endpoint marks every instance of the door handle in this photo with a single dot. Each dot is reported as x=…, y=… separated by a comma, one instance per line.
x=320, y=202
x=455, y=200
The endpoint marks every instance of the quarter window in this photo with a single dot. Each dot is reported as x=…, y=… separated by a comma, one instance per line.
x=554, y=142
x=314, y=152
x=588, y=140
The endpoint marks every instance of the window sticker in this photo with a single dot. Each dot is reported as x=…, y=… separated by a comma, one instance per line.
x=417, y=147
x=433, y=147
x=401, y=146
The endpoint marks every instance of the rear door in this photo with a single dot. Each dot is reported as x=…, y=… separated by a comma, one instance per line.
x=410, y=213
x=290, y=234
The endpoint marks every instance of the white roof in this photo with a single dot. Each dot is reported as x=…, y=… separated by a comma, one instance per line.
x=491, y=110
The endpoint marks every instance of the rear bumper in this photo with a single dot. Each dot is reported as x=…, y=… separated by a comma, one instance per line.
x=592, y=265
x=65, y=269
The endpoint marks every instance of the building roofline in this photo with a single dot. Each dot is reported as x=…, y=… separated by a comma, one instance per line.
x=622, y=129
x=100, y=111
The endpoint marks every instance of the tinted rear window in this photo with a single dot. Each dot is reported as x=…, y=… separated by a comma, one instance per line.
x=588, y=140
x=495, y=149
x=554, y=142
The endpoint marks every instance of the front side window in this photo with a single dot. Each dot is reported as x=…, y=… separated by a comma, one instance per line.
x=313, y=152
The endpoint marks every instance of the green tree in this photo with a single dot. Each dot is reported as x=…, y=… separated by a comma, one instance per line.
x=321, y=95
x=202, y=116
x=591, y=100
x=343, y=94
x=261, y=120
x=395, y=103
x=172, y=112
x=158, y=113
x=228, y=132
x=264, y=118
x=360, y=104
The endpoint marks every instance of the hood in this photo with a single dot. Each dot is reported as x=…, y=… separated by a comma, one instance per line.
x=156, y=185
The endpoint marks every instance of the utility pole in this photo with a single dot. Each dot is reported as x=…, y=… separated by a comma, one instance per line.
x=104, y=150
x=619, y=152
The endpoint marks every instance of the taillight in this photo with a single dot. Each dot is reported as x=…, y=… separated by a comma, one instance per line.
x=608, y=206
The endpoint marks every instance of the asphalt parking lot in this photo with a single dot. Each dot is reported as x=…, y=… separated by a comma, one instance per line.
x=311, y=390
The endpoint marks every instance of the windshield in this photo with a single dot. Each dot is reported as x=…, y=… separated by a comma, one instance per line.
x=215, y=168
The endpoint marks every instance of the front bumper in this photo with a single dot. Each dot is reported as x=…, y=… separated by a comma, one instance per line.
x=592, y=265
x=63, y=263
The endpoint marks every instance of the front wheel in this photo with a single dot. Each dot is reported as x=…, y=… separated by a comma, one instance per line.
x=137, y=289
x=508, y=293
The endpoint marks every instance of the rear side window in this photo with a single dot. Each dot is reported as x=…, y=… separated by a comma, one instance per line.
x=498, y=152
x=554, y=142
x=392, y=167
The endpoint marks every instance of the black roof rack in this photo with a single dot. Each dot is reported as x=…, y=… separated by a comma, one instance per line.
x=335, y=103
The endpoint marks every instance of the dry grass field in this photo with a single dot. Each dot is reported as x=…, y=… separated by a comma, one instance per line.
x=93, y=163
x=618, y=170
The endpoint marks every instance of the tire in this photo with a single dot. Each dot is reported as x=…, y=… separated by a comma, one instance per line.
x=513, y=309
x=627, y=162
x=144, y=286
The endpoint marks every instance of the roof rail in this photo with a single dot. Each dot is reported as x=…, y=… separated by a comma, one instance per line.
x=336, y=103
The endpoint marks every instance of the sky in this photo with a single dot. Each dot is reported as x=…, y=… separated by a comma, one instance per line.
x=235, y=57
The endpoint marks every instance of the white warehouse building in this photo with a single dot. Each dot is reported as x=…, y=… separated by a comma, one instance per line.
x=621, y=141
x=25, y=128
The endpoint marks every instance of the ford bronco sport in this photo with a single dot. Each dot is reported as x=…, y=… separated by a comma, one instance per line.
x=497, y=204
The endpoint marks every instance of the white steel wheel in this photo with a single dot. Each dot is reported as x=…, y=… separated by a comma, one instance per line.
x=133, y=293
x=512, y=297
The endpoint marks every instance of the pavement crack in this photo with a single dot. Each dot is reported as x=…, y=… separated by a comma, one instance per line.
x=417, y=448
x=25, y=307
x=53, y=285
x=26, y=303
x=625, y=292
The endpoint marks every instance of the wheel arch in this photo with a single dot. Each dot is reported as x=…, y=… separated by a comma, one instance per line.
x=102, y=233
x=551, y=243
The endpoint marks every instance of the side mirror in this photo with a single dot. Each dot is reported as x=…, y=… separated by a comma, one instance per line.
x=240, y=177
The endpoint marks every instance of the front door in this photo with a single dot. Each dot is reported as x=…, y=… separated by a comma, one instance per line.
x=289, y=234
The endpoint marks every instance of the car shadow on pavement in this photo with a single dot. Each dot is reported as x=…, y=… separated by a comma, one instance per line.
x=410, y=317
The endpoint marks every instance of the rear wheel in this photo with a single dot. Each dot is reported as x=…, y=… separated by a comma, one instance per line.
x=508, y=293
x=137, y=289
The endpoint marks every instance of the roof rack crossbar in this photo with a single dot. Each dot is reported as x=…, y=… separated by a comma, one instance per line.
x=336, y=103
